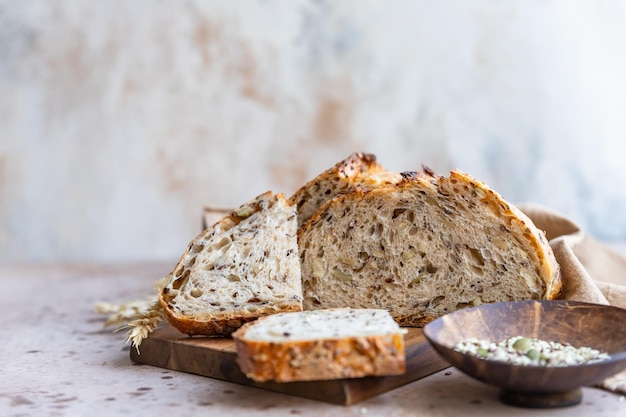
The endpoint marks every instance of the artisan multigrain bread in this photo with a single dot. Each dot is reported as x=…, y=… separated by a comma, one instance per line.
x=322, y=344
x=357, y=170
x=424, y=247
x=243, y=267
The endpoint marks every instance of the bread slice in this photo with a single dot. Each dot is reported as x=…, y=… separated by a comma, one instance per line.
x=243, y=267
x=357, y=170
x=321, y=345
x=424, y=247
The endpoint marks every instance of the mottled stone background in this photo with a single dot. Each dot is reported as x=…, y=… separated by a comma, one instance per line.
x=119, y=120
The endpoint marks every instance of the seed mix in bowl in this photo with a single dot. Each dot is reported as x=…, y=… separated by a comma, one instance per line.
x=519, y=350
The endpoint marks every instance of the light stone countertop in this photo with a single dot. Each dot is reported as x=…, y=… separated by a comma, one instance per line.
x=59, y=361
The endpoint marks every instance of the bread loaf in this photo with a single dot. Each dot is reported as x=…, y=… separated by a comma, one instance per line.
x=242, y=267
x=359, y=170
x=423, y=247
x=323, y=344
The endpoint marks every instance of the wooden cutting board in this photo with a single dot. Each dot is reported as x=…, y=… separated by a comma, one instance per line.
x=216, y=358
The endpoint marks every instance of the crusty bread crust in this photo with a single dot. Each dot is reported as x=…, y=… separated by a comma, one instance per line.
x=320, y=359
x=259, y=276
x=423, y=247
x=358, y=170
x=222, y=325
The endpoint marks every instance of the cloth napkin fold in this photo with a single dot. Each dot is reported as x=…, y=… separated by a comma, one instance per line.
x=592, y=271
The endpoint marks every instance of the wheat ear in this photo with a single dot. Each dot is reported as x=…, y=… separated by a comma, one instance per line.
x=144, y=324
x=141, y=317
x=120, y=314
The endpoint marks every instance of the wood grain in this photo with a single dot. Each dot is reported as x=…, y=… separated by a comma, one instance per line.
x=216, y=358
x=565, y=321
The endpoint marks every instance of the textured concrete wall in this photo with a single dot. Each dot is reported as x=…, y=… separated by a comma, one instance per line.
x=119, y=120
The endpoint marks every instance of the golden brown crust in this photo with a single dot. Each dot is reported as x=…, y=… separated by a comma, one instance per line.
x=218, y=325
x=357, y=170
x=322, y=359
x=414, y=320
x=354, y=164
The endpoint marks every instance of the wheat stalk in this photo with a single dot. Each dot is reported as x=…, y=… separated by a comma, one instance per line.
x=144, y=324
x=120, y=314
x=141, y=317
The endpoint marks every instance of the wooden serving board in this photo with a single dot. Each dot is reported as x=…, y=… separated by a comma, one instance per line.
x=216, y=358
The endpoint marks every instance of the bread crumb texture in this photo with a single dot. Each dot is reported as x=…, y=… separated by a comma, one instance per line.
x=243, y=267
x=321, y=345
x=423, y=247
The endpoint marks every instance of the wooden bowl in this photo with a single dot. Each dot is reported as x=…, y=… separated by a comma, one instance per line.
x=581, y=324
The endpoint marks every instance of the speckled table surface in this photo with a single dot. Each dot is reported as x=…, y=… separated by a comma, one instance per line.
x=59, y=361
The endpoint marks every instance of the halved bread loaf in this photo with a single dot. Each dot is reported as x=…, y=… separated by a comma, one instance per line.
x=322, y=344
x=357, y=170
x=423, y=247
x=243, y=267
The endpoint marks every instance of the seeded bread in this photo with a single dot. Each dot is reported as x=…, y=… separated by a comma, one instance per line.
x=320, y=345
x=424, y=247
x=243, y=267
x=357, y=170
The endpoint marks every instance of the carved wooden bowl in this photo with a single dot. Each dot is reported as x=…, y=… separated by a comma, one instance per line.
x=580, y=324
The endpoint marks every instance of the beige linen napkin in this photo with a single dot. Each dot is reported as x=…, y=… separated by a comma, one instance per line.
x=592, y=271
